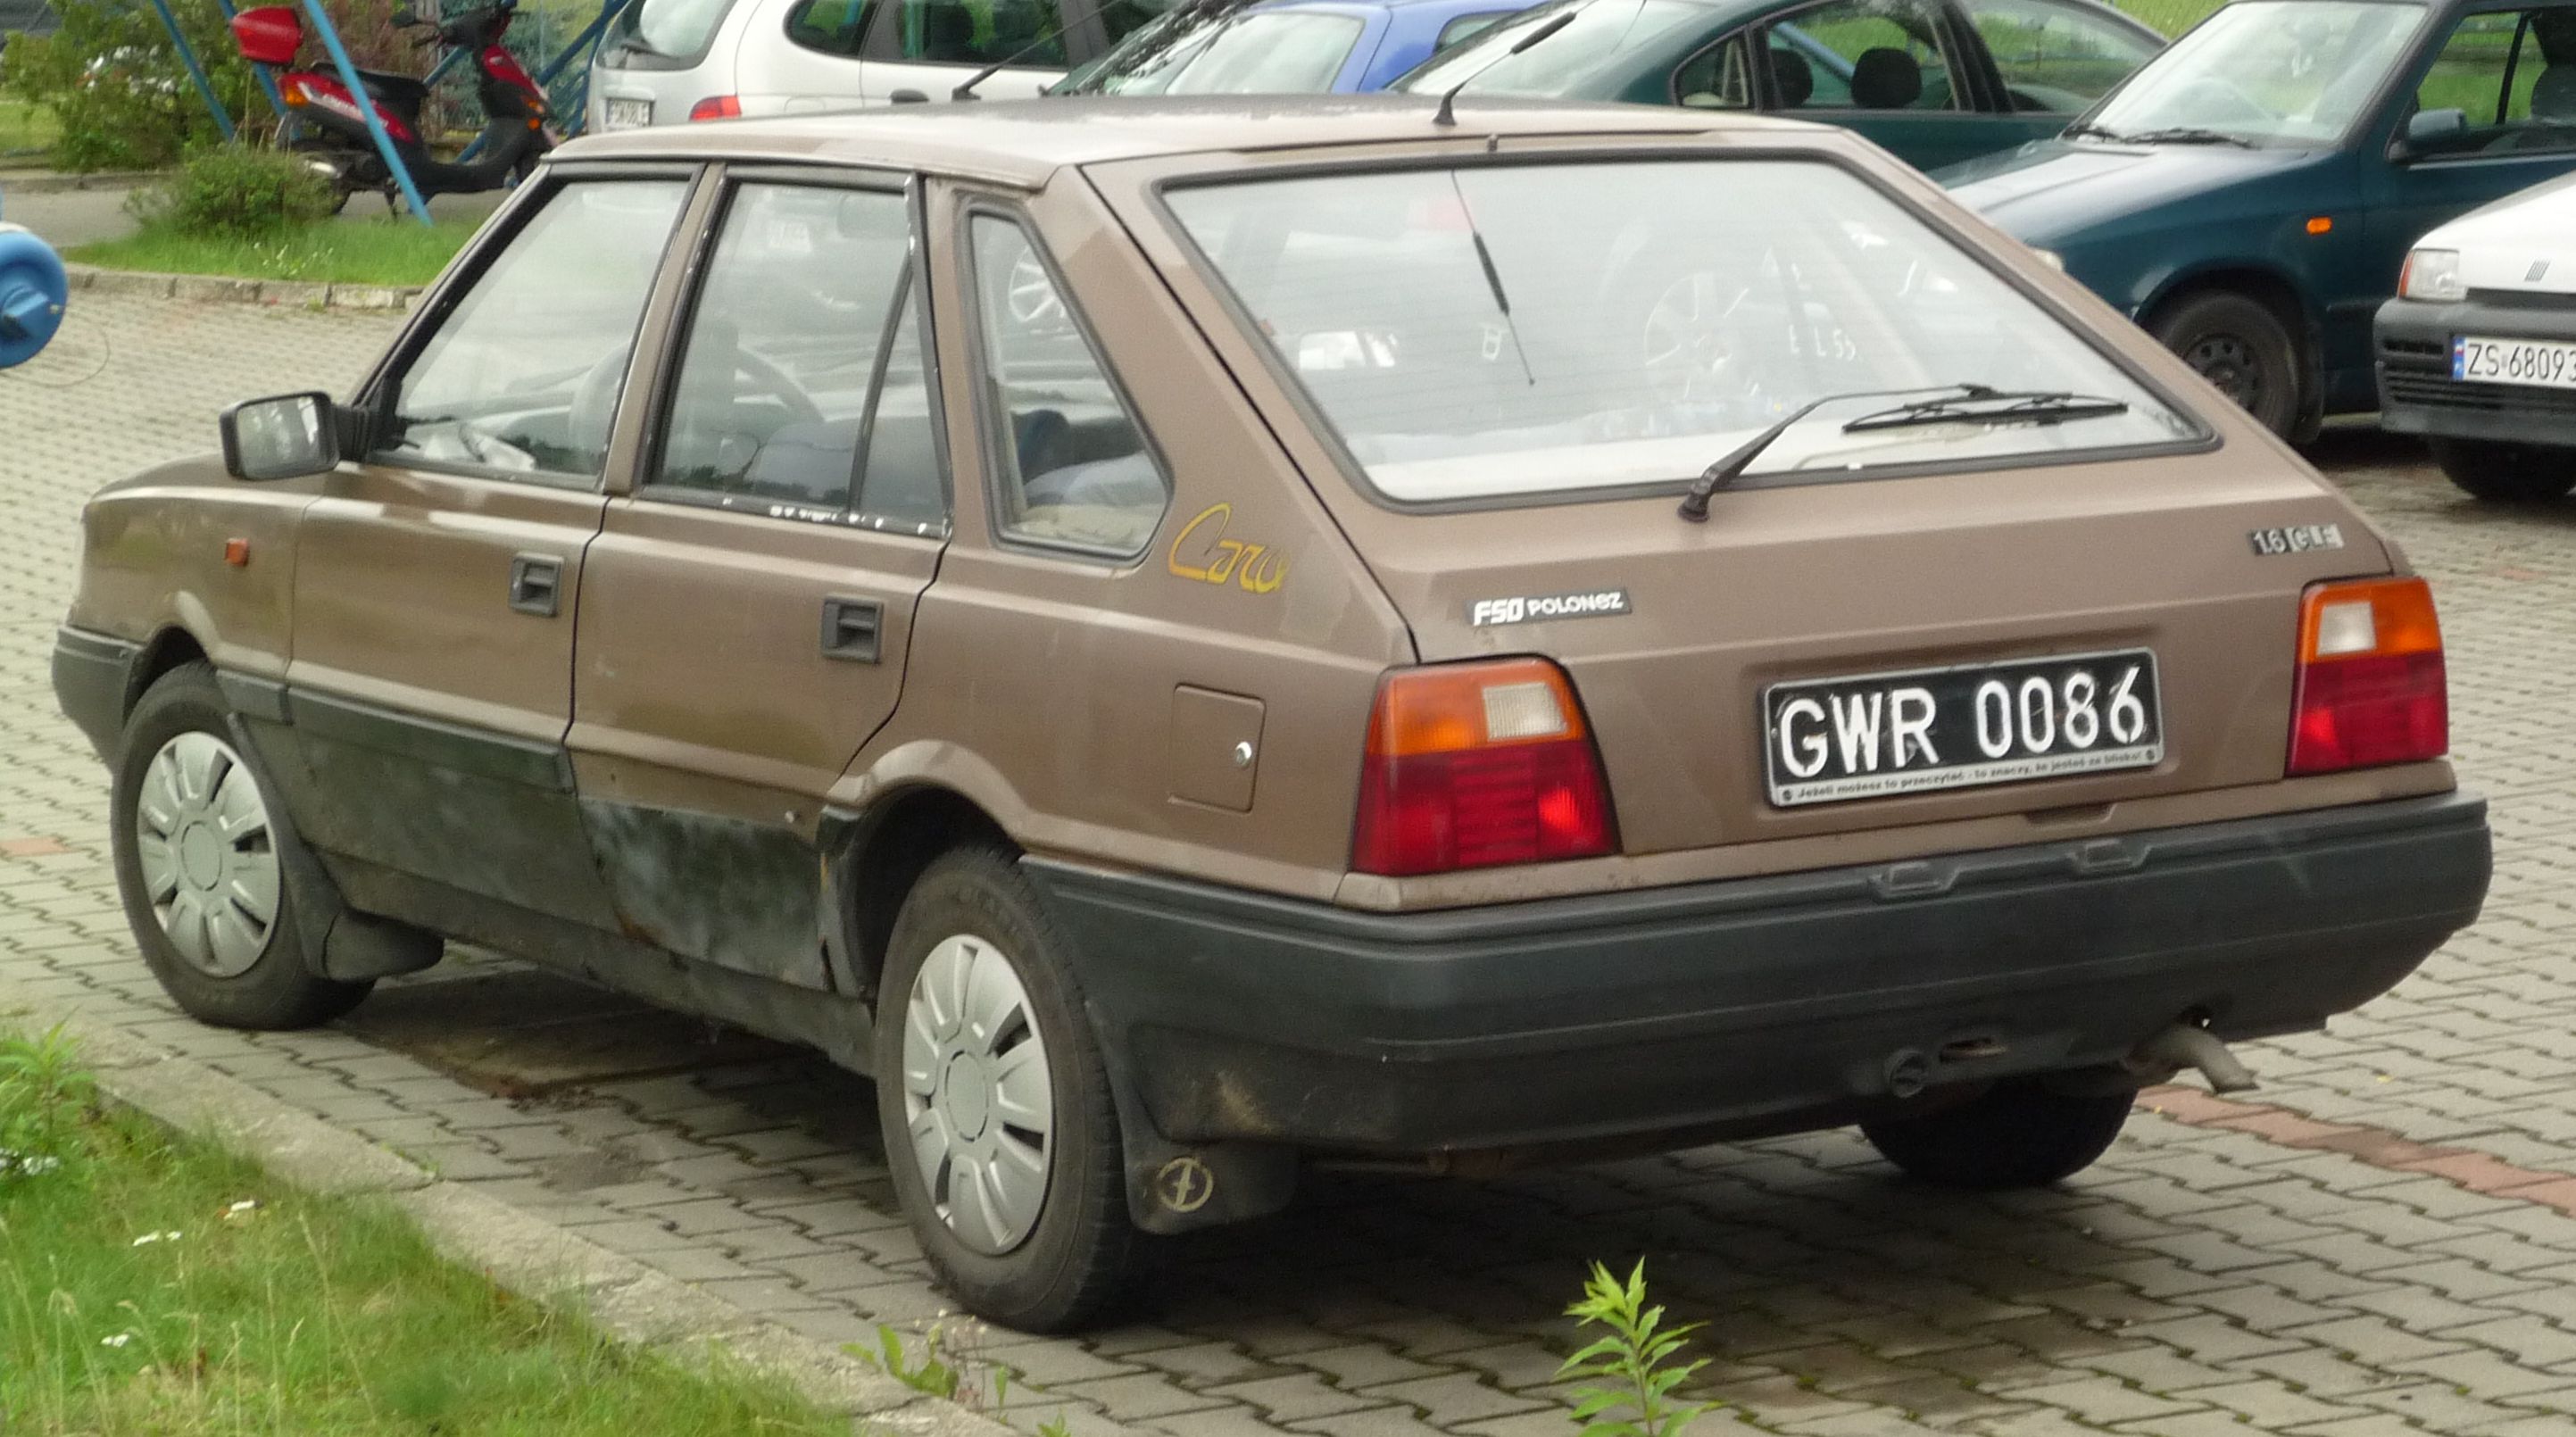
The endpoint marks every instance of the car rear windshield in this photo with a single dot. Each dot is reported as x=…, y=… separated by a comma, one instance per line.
x=1263, y=52
x=659, y=34
x=1493, y=330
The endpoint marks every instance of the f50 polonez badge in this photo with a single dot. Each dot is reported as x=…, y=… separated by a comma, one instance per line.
x=1530, y=608
x=2296, y=538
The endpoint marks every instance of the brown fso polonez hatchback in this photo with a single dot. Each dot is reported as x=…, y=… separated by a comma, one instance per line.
x=1190, y=639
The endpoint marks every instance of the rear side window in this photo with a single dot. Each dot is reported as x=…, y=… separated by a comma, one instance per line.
x=829, y=27
x=1070, y=465
x=1481, y=332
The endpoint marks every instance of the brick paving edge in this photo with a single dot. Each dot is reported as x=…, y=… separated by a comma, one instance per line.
x=228, y=289
x=520, y=1251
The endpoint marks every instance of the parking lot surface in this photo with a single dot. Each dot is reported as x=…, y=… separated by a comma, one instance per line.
x=2381, y=1240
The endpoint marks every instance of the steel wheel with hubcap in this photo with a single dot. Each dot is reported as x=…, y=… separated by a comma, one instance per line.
x=977, y=1094
x=209, y=864
x=995, y=1103
x=197, y=862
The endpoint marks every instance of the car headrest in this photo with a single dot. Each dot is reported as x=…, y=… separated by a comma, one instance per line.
x=2553, y=95
x=1793, y=80
x=1886, y=79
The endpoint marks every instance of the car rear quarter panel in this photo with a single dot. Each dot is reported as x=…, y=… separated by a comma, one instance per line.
x=152, y=559
x=1042, y=684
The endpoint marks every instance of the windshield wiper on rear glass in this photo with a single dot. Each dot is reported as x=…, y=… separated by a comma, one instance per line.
x=2188, y=135
x=1949, y=404
x=1981, y=404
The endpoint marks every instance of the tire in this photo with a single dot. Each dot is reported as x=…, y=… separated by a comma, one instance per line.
x=973, y=928
x=2238, y=343
x=2019, y=1135
x=2507, y=473
x=177, y=777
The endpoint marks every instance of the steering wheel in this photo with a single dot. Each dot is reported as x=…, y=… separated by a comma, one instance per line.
x=778, y=384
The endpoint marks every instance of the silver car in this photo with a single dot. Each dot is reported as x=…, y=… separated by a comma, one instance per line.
x=664, y=62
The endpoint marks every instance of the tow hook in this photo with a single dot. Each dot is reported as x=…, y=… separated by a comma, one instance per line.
x=2183, y=1046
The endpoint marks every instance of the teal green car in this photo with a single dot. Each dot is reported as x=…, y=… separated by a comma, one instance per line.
x=2250, y=195
x=1933, y=81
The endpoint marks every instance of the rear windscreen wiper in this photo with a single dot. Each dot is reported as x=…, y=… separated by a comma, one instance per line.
x=2188, y=135
x=1982, y=404
x=1725, y=471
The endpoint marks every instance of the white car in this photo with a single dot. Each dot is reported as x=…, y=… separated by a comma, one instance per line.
x=666, y=62
x=2478, y=350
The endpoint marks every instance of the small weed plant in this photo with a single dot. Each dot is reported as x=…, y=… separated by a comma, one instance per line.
x=1631, y=1371
x=44, y=1095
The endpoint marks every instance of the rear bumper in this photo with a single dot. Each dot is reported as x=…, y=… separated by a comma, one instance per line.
x=92, y=673
x=2417, y=395
x=1755, y=1005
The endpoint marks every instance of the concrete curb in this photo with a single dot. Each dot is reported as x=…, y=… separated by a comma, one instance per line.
x=224, y=289
x=54, y=182
x=518, y=1250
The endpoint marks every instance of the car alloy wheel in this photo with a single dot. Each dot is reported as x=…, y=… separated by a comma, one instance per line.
x=977, y=1094
x=209, y=863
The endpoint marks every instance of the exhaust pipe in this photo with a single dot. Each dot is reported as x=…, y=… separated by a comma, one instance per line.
x=2183, y=1046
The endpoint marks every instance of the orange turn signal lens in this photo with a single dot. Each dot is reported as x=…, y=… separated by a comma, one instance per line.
x=1452, y=707
x=2384, y=617
x=2320, y=224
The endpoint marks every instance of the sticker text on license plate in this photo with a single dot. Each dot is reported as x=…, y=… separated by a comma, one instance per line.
x=1879, y=735
x=629, y=114
x=2543, y=362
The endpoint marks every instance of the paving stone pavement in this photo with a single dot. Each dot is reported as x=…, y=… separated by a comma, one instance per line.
x=2203, y=1279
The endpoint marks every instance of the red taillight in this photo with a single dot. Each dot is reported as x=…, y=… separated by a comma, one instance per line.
x=1473, y=765
x=716, y=107
x=2371, y=688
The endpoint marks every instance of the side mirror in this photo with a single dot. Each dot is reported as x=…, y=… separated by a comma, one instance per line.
x=285, y=437
x=2432, y=129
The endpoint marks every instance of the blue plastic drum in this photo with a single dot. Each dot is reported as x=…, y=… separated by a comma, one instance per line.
x=32, y=293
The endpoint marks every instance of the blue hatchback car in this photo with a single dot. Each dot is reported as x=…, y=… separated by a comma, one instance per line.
x=1282, y=46
x=2250, y=194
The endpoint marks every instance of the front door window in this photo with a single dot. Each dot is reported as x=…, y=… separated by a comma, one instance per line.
x=2054, y=57
x=2510, y=77
x=522, y=378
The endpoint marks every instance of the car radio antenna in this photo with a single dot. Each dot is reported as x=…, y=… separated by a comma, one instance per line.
x=1447, y=114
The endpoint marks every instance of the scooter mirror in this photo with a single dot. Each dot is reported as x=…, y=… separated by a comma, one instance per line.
x=284, y=437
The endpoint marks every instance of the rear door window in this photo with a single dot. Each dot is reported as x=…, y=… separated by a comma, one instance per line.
x=1027, y=33
x=796, y=321
x=2512, y=77
x=1481, y=332
x=1864, y=55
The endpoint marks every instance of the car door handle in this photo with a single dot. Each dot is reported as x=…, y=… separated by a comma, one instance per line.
x=851, y=628
x=536, y=584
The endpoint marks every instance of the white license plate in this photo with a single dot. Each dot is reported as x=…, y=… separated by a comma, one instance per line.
x=2543, y=362
x=1923, y=730
x=628, y=114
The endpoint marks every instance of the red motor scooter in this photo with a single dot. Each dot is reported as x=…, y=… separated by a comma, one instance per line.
x=325, y=125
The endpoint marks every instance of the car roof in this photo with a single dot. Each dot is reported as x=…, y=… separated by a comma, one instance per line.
x=1023, y=142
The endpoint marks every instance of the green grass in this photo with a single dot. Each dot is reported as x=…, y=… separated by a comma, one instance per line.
x=255, y=1309
x=396, y=251
x=2169, y=17
x=25, y=130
